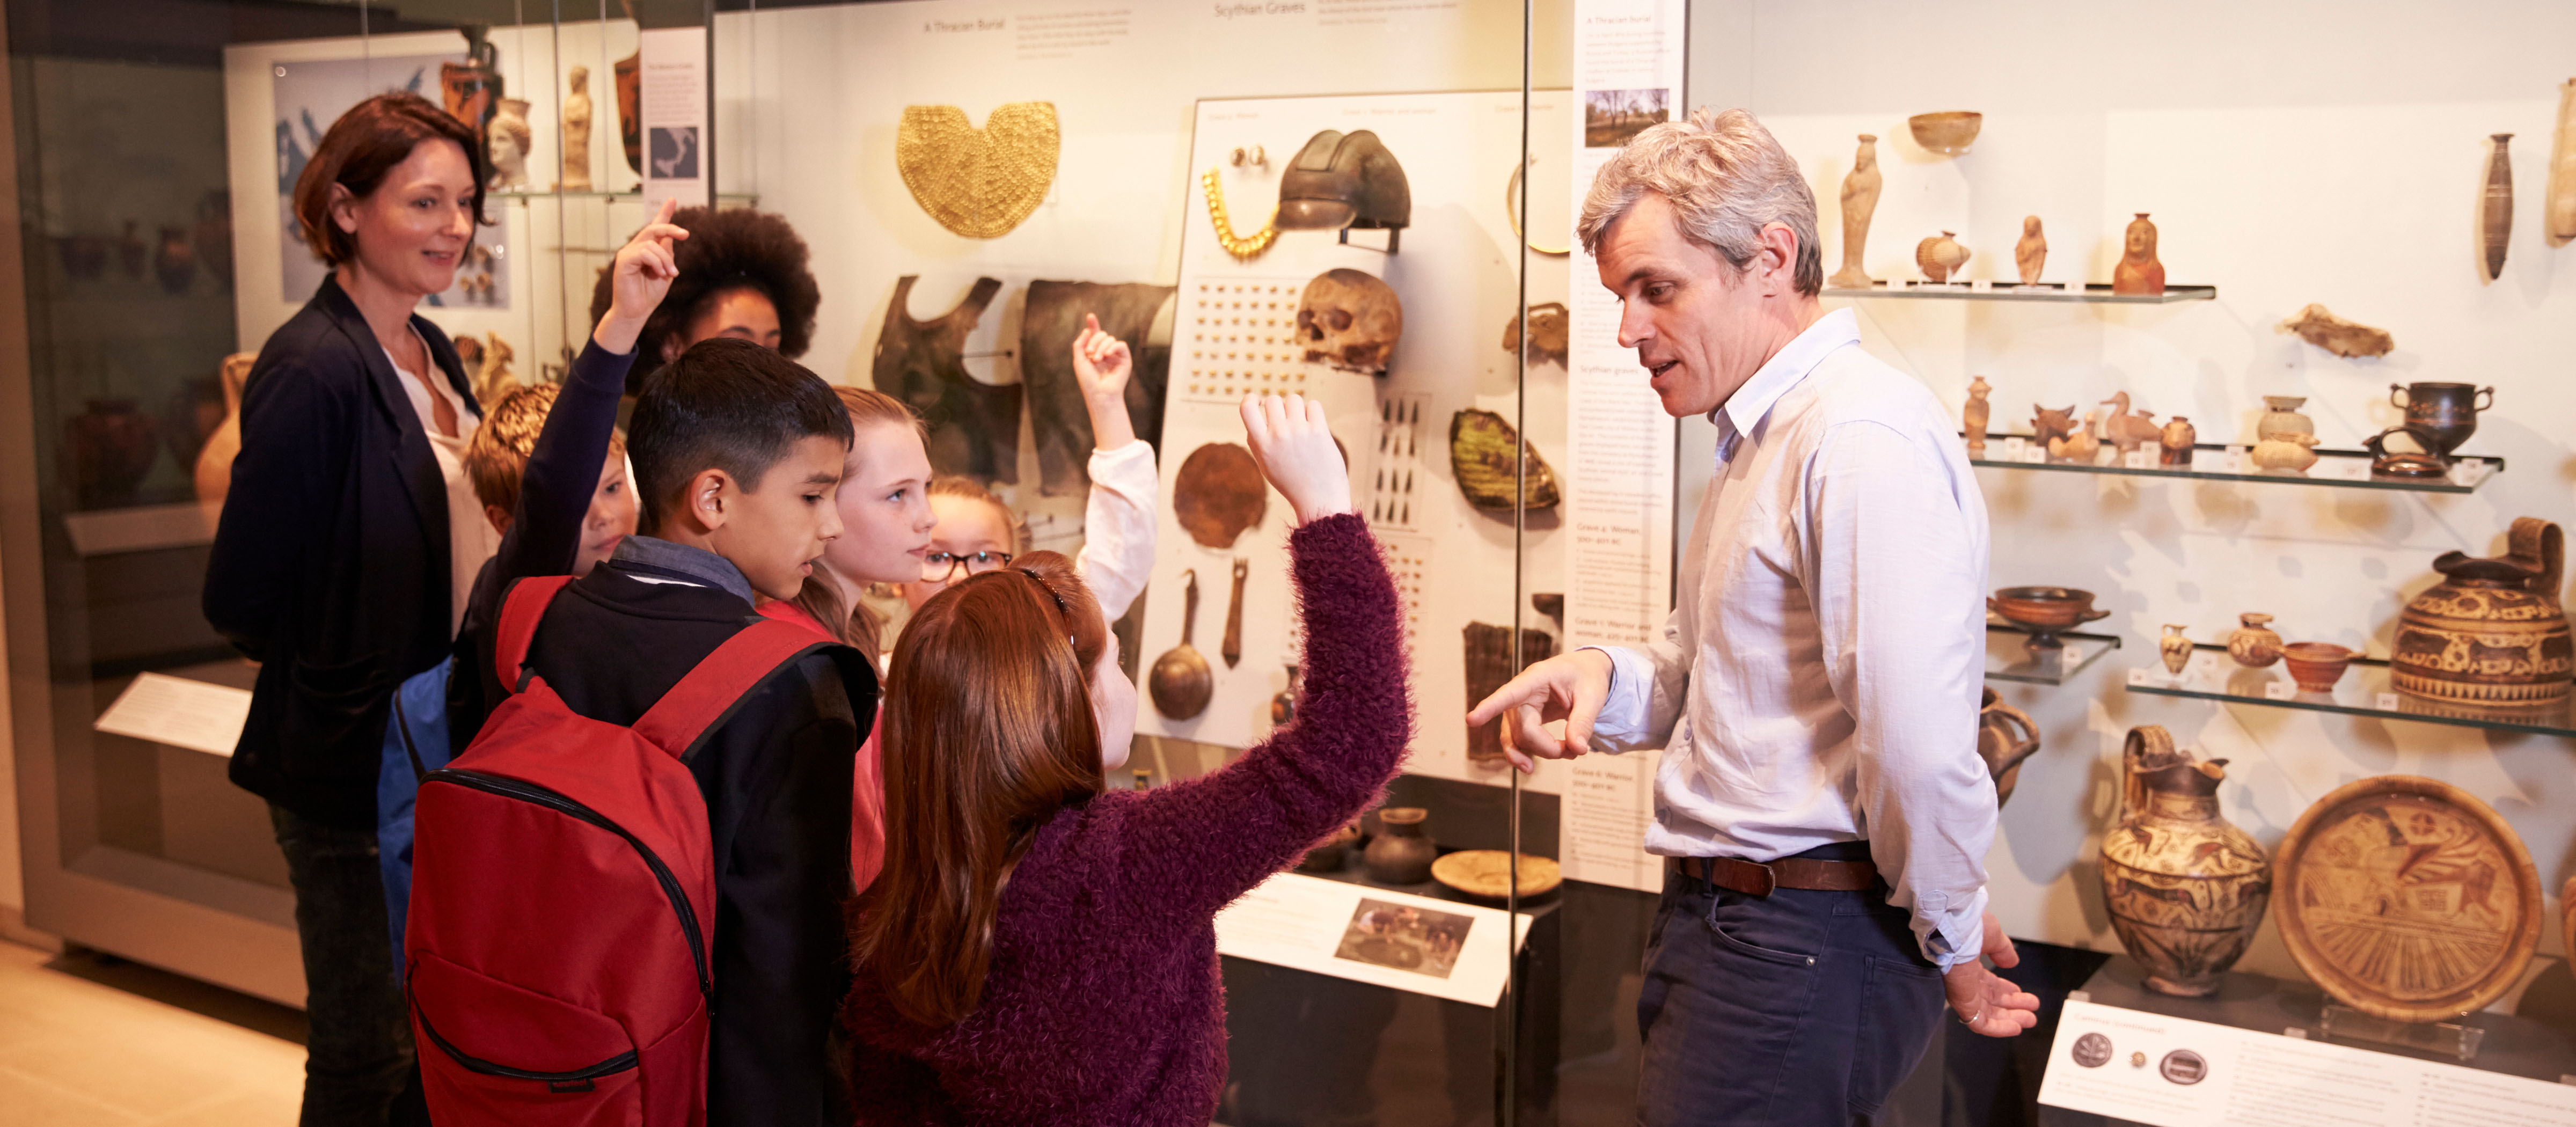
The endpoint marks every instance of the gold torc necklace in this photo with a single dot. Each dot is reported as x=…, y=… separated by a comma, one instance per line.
x=1244, y=247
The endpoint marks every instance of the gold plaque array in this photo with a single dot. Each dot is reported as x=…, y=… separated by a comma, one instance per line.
x=1242, y=340
x=979, y=183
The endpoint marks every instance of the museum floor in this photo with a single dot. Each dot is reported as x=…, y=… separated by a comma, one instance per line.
x=91, y=1039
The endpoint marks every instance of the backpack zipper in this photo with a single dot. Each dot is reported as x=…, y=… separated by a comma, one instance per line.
x=578, y=1080
x=531, y=792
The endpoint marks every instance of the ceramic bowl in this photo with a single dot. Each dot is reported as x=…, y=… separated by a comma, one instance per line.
x=1948, y=134
x=2316, y=666
x=2045, y=611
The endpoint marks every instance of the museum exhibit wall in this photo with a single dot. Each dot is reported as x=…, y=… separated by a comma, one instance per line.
x=2289, y=154
x=815, y=138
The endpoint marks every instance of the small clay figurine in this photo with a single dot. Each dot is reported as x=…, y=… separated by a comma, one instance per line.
x=2080, y=446
x=1860, y=200
x=576, y=131
x=2288, y=452
x=2048, y=425
x=2125, y=430
x=1976, y=415
x=2177, y=442
x=1940, y=256
x=493, y=379
x=507, y=143
x=2323, y=329
x=2031, y=253
x=2496, y=231
x=2139, y=272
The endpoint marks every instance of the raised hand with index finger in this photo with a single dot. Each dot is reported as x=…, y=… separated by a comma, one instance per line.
x=639, y=278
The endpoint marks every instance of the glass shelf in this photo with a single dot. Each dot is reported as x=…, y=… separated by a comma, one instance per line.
x=2364, y=691
x=2092, y=292
x=631, y=197
x=2348, y=469
x=2010, y=658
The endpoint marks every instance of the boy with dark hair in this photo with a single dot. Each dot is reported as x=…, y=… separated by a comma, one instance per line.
x=737, y=451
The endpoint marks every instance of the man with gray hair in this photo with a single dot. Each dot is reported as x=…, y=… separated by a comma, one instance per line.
x=1816, y=687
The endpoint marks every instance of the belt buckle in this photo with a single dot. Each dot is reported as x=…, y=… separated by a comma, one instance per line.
x=1768, y=879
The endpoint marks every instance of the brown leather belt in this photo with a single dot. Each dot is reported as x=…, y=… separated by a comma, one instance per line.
x=1754, y=879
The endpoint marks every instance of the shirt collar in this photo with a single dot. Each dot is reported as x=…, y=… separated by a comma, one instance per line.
x=1745, y=409
x=682, y=562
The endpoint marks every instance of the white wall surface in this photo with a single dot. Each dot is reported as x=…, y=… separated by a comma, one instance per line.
x=2290, y=153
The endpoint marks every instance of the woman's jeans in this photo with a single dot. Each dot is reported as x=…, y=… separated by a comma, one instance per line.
x=358, y=1058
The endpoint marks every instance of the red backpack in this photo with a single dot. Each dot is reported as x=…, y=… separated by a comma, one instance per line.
x=563, y=895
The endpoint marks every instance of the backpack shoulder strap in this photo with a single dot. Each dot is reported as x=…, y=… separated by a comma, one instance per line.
x=705, y=698
x=521, y=611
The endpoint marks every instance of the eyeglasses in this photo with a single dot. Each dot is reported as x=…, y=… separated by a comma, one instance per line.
x=940, y=567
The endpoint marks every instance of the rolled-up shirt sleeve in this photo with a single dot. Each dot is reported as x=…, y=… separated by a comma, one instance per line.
x=1894, y=563
x=1648, y=686
x=1118, y=527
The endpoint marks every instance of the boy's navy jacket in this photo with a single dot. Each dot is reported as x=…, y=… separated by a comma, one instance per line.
x=330, y=563
x=776, y=776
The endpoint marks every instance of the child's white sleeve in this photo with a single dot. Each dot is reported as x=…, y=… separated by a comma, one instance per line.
x=1118, y=526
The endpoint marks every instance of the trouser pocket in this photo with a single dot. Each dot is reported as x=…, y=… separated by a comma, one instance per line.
x=493, y=1052
x=1901, y=1003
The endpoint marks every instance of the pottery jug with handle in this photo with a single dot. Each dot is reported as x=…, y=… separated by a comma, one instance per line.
x=2185, y=889
x=2493, y=631
x=2005, y=737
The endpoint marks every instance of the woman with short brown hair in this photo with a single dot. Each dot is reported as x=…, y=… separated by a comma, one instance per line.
x=345, y=550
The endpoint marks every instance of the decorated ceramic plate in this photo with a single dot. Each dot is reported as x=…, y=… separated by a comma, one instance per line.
x=2407, y=899
x=1487, y=873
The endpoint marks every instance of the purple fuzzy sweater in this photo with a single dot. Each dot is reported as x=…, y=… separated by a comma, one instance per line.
x=1103, y=1004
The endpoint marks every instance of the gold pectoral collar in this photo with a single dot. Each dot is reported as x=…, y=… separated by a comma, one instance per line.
x=979, y=183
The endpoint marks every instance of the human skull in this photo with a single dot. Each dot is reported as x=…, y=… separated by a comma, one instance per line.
x=1350, y=320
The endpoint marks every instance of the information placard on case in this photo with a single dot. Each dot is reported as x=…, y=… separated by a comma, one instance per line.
x=2175, y=1072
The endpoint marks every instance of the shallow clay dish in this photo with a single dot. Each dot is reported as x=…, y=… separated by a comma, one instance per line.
x=2407, y=899
x=1486, y=873
x=1949, y=133
x=2045, y=612
x=2316, y=666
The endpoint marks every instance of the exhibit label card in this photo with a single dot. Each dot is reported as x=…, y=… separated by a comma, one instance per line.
x=675, y=116
x=1392, y=939
x=179, y=712
x=1619, y=443
x=2175, y=1072
x=1601, y=828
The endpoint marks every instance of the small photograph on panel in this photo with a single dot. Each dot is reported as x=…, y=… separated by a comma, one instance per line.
x=1420, y=940
x=1611, y=117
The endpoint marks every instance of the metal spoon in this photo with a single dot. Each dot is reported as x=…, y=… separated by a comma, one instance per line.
x=1181, y=682
x=1232, y=648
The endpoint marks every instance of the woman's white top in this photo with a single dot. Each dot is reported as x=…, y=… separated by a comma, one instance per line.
x=471, y=539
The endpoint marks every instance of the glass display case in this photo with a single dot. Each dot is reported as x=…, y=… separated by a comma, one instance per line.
x=972, y=177
x=154, y=160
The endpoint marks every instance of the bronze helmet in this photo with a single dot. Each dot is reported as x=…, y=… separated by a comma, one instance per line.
x=1345, y=180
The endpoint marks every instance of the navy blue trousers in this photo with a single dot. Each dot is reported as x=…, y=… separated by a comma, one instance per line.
x=1797, y=1009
